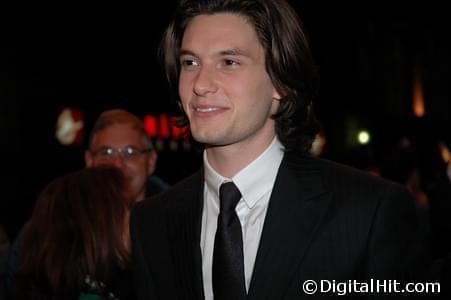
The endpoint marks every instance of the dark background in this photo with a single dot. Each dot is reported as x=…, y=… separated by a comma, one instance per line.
x=102, y=55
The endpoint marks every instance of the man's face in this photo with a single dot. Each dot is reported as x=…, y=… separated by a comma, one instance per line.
x=224, y=87
x=136, y=168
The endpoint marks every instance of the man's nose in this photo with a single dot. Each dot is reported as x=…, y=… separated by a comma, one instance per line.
x=205, y=81
x=117, y=161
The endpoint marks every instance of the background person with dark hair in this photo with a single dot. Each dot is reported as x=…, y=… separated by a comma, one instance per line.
x=262, y=216
x=77, y=241
x=117, y=139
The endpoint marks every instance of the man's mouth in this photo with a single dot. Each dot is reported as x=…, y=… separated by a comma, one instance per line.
x=206, y=109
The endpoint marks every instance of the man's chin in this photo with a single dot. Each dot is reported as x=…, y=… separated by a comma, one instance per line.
x=210, y=139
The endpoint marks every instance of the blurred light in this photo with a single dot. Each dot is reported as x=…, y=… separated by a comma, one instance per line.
x=173, y=146
x=177, y=132
x=418, y=97
x=159, y=145
x=444, y=152
x=318, y=144
x=69, y=127
x=166, y=135
x=164, y=127
x=363, y=137
x=150, y=126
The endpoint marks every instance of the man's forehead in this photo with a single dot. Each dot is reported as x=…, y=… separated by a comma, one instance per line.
x=119, y=134
x=219, y=35
x=218, y=27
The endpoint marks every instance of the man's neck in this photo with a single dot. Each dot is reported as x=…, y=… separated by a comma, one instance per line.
x=230, y=159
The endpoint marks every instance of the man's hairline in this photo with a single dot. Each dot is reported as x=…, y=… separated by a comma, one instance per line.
x=146, y=139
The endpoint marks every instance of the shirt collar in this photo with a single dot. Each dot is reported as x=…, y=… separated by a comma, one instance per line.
x=255, y=180
x=213, y=179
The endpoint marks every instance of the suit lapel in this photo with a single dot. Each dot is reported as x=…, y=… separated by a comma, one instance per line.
x=297, y=205
x=184, y=228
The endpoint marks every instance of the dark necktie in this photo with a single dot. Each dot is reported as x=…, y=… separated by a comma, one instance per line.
x=228, y=262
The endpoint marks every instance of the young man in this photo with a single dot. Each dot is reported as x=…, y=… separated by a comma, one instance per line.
x=262, y=216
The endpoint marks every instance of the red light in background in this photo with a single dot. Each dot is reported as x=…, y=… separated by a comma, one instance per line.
x=177, y=132
x=164, y=127
x=150, y=126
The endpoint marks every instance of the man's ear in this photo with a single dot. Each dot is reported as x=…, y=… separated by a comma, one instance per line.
x=276, y=95
x=89, y=160
x=151, y=162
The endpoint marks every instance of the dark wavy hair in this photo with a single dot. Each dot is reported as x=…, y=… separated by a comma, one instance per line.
x=289, y=61
x=78, y=228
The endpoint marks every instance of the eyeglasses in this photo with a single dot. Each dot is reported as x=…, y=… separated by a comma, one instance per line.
x=126, y=152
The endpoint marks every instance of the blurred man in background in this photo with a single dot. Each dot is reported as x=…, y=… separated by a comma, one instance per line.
x=118, y=139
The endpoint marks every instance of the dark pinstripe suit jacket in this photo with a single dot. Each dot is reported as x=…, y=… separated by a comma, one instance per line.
x=324, y=221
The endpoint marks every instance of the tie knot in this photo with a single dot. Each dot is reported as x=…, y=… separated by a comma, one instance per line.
x=229, y=195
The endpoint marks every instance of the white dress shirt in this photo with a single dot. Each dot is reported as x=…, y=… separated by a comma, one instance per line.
x=255, y=183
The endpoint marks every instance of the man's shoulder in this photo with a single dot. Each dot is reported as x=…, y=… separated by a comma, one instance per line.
x=337, y=176
x=176, y=195
x=353, y=190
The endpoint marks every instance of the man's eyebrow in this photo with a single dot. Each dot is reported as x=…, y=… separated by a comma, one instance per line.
x=186, y=52
x=232, y=52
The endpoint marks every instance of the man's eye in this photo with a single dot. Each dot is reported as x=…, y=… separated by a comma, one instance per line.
x=189, y=63
x=230, y=62
x=130, y=152
x=106, y=152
